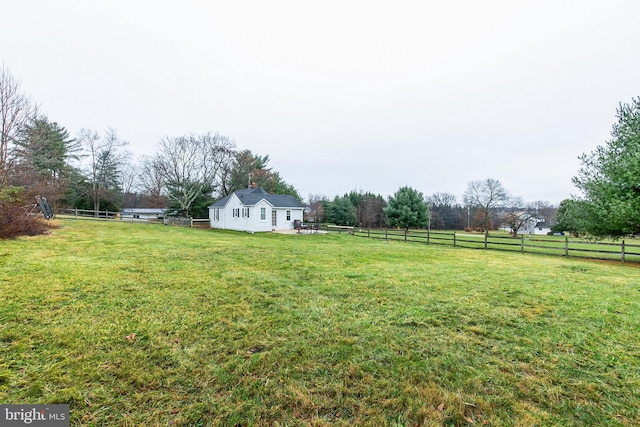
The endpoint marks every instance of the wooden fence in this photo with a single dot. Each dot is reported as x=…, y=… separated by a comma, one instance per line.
x=118, y=216
x=618, y=251
x=551, y=245
x=337, y=228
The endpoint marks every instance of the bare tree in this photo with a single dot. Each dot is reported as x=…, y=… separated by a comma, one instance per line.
x=370, y=210
x=442, y=199
x=545, y=211
x=151, y=180
x=485, y=196
x=128, y=177
x=106, y=158
x=518, y=215
x=446, y=214
x=219, y=153
x=190, y=165
x=316, y=208
x=16, y=110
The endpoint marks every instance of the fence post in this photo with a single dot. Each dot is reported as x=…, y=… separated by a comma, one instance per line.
x=485, y=240
x=386, y=234
x=566, y=247
x=454, y=239
x=405, y=234
x=76, y=213
x=622, y=251
x=368, y=231
x=106, y=214
x=522, y=243
x=428, y=236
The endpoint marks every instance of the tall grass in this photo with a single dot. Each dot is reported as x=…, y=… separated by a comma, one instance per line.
x=149, y=325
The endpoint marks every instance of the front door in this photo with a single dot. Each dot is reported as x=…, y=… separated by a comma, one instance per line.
x=274, y=218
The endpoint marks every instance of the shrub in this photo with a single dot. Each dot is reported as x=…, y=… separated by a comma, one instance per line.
x=15, y=218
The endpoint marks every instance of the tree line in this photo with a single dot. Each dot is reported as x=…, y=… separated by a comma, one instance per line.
x=486, y=205
x=608, y=203
x=95, y=171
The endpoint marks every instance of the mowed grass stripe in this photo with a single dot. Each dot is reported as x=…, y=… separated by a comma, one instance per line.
x=267, y=329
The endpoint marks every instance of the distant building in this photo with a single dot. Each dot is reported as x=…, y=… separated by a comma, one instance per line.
x=542, y=227
x=531, y=225
x=142, y=214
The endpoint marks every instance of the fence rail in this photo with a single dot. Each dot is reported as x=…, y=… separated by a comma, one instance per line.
x=566, y=247
x=86, y=214
x=337, y=228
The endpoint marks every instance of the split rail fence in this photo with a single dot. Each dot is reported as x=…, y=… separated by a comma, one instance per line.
x=85, y=214
x=616, y=251
x=563, y=246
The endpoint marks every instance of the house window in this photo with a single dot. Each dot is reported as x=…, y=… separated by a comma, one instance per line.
x=288, y=215
x=236, y=212
x=216, y=214
x=263, y=214
x=245, y=212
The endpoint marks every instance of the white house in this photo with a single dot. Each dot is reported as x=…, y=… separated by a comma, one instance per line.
x=542, y=227
x=531, y=225
x=255, y=210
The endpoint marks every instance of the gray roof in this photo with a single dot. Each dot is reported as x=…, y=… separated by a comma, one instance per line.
x=251, y=196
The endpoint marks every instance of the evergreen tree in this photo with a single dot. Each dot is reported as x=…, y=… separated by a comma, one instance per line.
x=407, y=209
x=610, y=179
x=43, y=152
x=249, y=168
x=572, y=216
x=369, y=208
x=341, y=211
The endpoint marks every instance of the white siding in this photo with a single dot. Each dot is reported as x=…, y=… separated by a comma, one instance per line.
x=232, y=222
x=258, y=224
x=283, y=224
x=253, y=223
x=542, y=230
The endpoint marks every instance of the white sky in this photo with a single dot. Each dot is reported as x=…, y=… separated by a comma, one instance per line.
x=343, y=95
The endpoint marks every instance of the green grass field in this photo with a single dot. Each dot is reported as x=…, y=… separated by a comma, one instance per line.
x=134, y=324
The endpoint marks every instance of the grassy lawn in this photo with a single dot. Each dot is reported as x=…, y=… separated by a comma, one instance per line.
x=134, y=324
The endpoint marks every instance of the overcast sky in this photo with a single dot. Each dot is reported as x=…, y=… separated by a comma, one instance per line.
x=343, y=95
